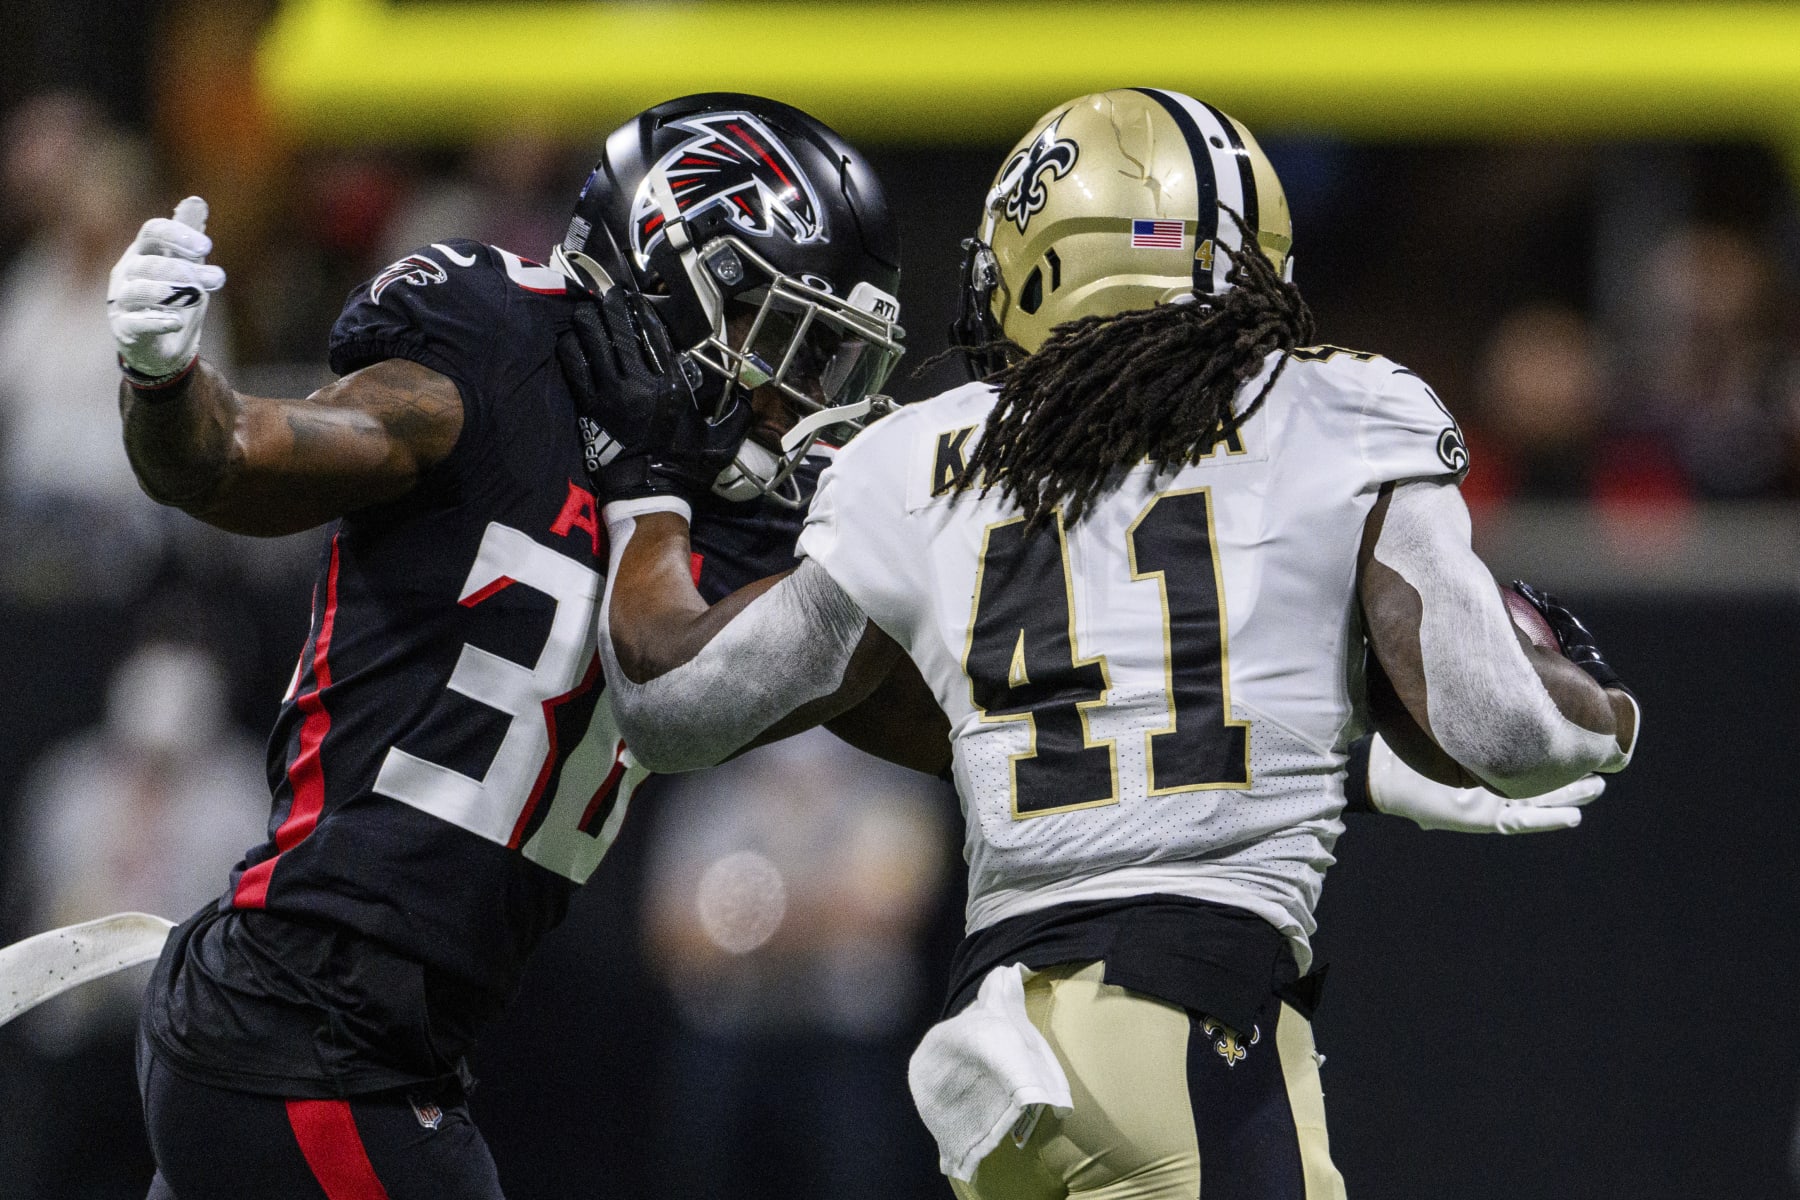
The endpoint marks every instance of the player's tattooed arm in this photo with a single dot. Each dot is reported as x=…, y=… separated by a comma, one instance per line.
x=692, y=685
x=264, y=466
x=1523, y=720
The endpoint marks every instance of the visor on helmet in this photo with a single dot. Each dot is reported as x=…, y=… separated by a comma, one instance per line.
x=827, y=355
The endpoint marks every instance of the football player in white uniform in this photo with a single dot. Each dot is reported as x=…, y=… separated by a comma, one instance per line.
x=1137, y=568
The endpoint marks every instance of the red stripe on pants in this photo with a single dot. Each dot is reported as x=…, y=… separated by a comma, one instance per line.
x=326, y=1131
x=305, y=774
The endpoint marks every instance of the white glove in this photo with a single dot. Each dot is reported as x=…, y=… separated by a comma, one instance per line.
x=157, y=298
x=1398, y=790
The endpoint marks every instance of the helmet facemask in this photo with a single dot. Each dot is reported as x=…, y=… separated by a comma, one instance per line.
x=983, y=343
x=826, y=356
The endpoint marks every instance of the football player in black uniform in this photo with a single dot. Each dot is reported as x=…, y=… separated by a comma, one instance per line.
x=443, y=773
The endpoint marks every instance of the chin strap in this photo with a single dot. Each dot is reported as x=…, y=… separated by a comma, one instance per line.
x=759, y=471
x=581, y=270
x=806, y=429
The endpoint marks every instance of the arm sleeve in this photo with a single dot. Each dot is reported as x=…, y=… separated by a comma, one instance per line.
x=788, y=647
x=1488, y=709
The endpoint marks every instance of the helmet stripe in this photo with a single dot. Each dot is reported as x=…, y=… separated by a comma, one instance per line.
x=1246, y=169
x=1217, y=179
x=1208, y=215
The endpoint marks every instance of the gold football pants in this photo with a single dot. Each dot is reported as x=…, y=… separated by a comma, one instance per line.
x=1167, y=1106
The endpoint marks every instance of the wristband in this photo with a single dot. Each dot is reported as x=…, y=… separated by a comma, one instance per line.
x=154, y=388
x=627, y=510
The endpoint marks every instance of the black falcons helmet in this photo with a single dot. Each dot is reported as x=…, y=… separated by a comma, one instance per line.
x=766, y=244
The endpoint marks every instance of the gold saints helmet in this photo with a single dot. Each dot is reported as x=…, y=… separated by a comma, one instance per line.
x=1114, y=201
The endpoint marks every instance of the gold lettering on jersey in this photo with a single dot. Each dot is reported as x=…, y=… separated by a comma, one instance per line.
x=1203, y=254
x=951, y=461
x=1016, y=675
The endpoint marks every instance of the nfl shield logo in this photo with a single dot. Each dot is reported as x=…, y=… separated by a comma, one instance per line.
x=430, y=1115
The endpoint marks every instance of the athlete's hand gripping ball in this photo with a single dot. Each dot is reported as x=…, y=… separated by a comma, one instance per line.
x=643, y=427
x=156, y=300
x=1573, y=637
x=1400, y=791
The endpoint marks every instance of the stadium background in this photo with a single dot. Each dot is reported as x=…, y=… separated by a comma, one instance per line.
x=1578, y=221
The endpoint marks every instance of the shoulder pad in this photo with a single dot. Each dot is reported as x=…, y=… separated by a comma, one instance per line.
x=1407, y=431
x=441, y=305
x=1342, y=362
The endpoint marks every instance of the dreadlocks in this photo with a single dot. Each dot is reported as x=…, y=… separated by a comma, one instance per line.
x=1104, y=393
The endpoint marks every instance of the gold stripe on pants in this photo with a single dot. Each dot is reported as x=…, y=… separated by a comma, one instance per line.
x=1132, y=1133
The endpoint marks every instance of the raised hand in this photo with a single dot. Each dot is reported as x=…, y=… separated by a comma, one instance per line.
x=156, y=300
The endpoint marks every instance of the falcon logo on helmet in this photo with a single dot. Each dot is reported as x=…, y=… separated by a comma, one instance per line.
x=1021, y=180
x=733, y=162
x=416, y=269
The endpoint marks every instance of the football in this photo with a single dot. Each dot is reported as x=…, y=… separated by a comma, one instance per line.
x=1530, y=621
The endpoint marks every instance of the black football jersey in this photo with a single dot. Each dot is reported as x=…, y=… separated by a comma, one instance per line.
x=443, y=772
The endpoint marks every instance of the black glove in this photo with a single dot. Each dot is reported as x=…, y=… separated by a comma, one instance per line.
x=1576, y=640
x=642, y=425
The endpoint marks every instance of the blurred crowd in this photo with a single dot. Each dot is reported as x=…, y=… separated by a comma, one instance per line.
x=1693, y=392
x=1683, y=385
x=1595, y=349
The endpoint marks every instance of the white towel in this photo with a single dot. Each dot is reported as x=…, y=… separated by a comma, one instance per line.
x=983, y=1072
x=34, y=970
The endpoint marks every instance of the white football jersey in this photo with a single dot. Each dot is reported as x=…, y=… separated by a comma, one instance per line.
x=1160, y=697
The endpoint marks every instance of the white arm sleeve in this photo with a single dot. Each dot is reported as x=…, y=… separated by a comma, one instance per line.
x=1489, y=711
x=789, y=646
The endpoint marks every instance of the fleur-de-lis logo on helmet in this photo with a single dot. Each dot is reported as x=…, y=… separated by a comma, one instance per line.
x=1021, y=184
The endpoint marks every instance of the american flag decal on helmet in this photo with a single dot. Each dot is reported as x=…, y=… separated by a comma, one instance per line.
x=734, y=162
x=1157, y=235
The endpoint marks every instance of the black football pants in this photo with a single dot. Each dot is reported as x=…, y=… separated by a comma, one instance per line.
x=215, y=1144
